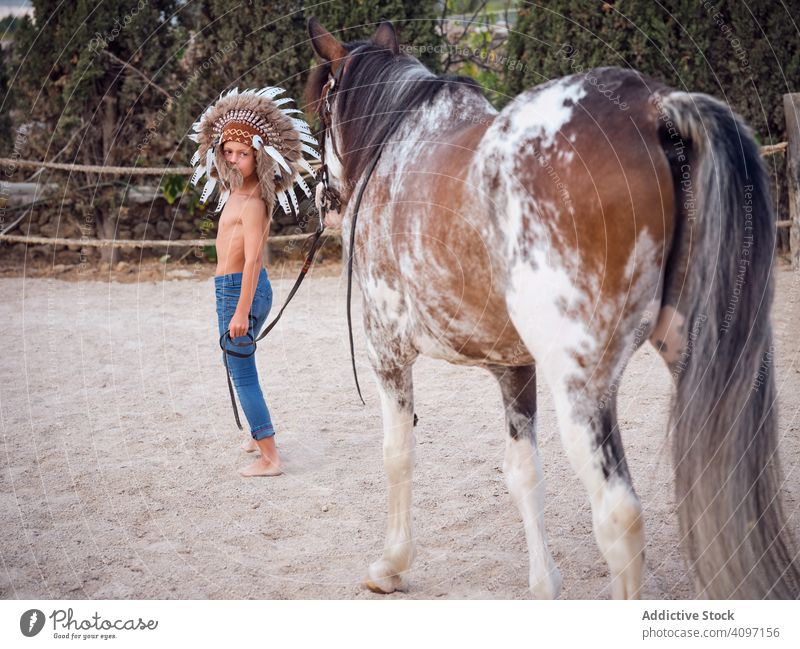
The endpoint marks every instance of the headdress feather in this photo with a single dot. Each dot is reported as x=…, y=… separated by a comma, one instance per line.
x=278, y=139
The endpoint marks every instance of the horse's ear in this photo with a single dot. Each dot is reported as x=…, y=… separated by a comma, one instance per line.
x=386, y=38
x=326, y=46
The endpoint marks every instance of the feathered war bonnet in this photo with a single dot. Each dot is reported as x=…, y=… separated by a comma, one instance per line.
x=254, y=118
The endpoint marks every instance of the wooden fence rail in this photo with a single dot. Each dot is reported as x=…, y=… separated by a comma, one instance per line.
x=155, y=243
x=96, y=169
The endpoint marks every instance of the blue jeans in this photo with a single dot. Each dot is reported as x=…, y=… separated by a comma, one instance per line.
x=243, y=370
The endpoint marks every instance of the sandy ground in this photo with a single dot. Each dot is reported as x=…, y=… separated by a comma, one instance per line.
x=120, y=452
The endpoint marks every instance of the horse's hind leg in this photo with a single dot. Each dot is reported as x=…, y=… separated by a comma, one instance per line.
x=395, y=386
x=582, y=367
x=523, y=473
x=593, y=445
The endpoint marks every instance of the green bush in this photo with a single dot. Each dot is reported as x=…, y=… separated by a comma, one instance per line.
x=746, y=53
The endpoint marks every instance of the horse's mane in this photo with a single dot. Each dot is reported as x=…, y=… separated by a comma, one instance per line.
x=376, y=86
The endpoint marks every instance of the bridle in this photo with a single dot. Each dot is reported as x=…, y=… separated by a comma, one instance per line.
x=331, y=199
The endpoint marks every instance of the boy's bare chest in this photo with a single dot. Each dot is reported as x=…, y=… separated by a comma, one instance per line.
x=232, y=212
x=231, y=216
x=230, y=226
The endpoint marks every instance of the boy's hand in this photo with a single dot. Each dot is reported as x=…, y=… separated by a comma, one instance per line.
x=238, y=325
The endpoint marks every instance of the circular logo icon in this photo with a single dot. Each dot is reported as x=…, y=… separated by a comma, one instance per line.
x=31, y=622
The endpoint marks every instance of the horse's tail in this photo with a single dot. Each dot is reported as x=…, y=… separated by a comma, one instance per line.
x=724, y=417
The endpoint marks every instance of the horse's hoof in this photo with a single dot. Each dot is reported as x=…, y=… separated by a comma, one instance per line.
x=382, y=589
x=381, y=580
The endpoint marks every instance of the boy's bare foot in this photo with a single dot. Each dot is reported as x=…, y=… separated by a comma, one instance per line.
x=260, y=468
x=250, y=446
x=268, y=464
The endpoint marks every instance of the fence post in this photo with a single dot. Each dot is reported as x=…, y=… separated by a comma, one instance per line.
x=791, y=108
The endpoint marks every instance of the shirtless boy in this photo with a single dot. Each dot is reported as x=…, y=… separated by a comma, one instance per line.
x=241, y=235
x=253, y=151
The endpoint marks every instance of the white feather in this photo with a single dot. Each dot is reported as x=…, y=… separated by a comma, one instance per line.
x=277, y=157
x=310, y=151
x=209, y=161
x=270, y=92
x=209, y=187
x=304, y=164
x=284, y=203
x=300, y=125
x=289, y=111
x=197, y=175
x=281, y=102
x=305, y=137
x=195, y=158
x=306, y=189
x=222, y=199
x=194, y=137
x=292, y=195
x=257, y=142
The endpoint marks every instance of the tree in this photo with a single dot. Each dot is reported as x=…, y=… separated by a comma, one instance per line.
x=6, y=98
x=746, y=53
x=415, y=23
x=251, y=44
x=89, y=76
x=266, y=43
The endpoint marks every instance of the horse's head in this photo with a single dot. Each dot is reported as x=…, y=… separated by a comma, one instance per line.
x=352, y=91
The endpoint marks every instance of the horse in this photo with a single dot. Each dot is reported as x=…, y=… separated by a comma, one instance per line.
x=553, y=238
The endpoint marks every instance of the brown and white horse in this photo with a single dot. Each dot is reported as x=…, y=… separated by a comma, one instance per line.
x=593, y=213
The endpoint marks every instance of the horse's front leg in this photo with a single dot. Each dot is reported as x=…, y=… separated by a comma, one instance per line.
x=395, y=386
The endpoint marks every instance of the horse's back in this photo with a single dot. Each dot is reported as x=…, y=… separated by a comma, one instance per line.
x=578, y=161
x=587, y=207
